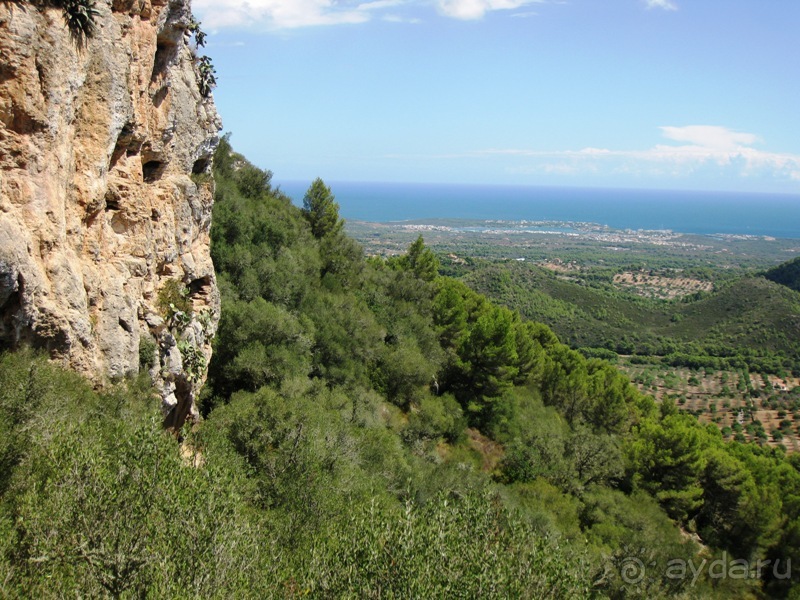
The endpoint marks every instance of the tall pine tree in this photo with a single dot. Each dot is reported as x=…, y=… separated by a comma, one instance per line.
x=321, y=210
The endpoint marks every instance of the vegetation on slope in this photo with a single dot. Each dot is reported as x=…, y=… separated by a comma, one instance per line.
x=375, y=430
x=787, y=274
x=748, y=323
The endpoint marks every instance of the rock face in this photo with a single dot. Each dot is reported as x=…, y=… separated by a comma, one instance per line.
x=105, y=194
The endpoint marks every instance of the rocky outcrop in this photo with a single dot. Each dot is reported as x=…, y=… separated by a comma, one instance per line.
x=105, y=194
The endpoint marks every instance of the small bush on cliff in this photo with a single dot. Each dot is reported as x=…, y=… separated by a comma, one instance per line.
x=194, y=362
x=195, y=30
x=147, y=353
x=80, y=16
x=173, y=298
x=207, y=76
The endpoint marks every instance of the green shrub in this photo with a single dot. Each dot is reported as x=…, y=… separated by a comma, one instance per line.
x=206, y=76
x=90, y=487
x=469, y=547
x=436, y=417
x=98, y=501
x=173, y=298
x=147, y=353
x=194, y=361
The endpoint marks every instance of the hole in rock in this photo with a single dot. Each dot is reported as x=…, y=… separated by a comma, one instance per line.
x=112, y=201
x=152, y=170
x=200, y=166
x=166, y=51
x=200, y=286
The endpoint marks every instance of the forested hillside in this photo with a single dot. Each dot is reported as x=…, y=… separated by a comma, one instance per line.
x=750, y=322
x=787, y=274
x=373, y=429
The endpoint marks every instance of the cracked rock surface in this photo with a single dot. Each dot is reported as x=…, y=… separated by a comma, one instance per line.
x=106, y=194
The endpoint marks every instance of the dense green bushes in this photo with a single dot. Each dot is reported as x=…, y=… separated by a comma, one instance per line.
x=280, y=495
x=97, y=500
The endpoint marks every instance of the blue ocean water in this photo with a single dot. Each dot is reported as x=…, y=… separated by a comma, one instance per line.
x=776, y=215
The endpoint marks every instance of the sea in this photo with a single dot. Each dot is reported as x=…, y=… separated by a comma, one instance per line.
x=692, y=212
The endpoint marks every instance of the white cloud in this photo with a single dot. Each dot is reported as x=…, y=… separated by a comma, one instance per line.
x=710, y=136
x=275, y=15
x=710, y=150
x=393, y=18
x=663, y=4
x=476, y=9
x=378, y=4
x=286, y=14
x=290, y=14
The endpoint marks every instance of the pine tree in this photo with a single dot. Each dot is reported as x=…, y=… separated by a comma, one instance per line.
x=422, y=261
x=321, y=210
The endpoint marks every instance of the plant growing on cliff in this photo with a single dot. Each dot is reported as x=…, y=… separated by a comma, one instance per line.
x=201, y=179
x=206, y=76
x=199, y=34
x=174, y=302
x=80, y=16
x=205, y=318
x=147, y=353
x=194, y=362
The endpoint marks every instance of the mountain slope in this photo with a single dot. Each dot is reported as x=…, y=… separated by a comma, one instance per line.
x=753, y=317
x=787, y=274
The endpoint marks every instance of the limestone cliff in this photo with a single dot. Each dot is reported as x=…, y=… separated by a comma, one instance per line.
x=105, y=194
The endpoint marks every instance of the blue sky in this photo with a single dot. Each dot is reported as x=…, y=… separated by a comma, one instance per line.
x=685, y=94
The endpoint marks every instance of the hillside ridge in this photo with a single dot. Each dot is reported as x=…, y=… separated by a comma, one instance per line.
x=787, y=274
